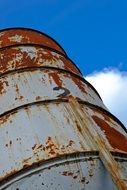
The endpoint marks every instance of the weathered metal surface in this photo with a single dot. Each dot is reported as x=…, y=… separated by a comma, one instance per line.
x=89, y=128
x=23, y=36
x=42, y=145
x=114, y=135
x=25, y=87
x=34, y=134
x=20, y=57
x=74, y=172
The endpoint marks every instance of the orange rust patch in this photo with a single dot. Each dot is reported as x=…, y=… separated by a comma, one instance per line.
x=47, y=55
x=17, y=58
x=8, y=174
x=78, y=126
x=69, y=66
x=4, y=119
x=51, y=147
x=17, y=89
x=79, y=84
x=19, y=97
x=25, y=163
x=3, y=85
x=67, y=173
x=115, y=138
x=25, y=166
x=107, y=118
x=55, y=77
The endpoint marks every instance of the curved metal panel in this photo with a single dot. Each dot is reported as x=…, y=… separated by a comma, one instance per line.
x=35, y=134
x=110, y=129
x=74, y=172
x=25, y=87
x=43, y=143
x=19, y=57
x=21, y=35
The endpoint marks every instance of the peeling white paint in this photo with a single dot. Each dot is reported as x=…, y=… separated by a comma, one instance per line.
x=16, y=38
x=31, y=51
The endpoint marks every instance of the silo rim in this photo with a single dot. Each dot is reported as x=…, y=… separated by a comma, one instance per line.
x=34, y=30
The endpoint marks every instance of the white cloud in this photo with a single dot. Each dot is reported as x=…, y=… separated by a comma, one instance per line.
x=112, y=87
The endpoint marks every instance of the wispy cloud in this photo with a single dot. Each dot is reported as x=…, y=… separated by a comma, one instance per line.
x=112, y=86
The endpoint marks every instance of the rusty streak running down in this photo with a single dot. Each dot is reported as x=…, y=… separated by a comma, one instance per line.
x=42, y=144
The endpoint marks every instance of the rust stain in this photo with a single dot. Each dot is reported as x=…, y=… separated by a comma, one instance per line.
x=25, y=166
x=19, y=97
x=16, y=36
x=3, y=85
x=54, y=76
x=28, y=110
x=46, y=55
x=8, y=174
x=5, y=118
x=71, y=142
x=67, y=173
x=51, y=147
x=79, y=84
x=37, y=147
x=115, y=138
x=78, y=126
x=18, y=57
x=38, y=98
x=69, y=66
x=106, y=117
x=17, y=89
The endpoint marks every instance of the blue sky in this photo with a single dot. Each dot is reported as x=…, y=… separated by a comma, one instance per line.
x=92, y=32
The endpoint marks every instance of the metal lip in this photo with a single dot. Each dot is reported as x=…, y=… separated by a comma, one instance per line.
x=34, y=30
x=14, y=110
x=44, y=164
x=44, y=47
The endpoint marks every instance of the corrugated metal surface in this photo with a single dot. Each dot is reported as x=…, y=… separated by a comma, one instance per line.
x=42, y=144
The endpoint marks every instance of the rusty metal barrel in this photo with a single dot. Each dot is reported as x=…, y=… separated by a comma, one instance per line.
x=42, y=145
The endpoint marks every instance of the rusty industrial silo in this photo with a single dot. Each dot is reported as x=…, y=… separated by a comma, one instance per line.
x=55, y=131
